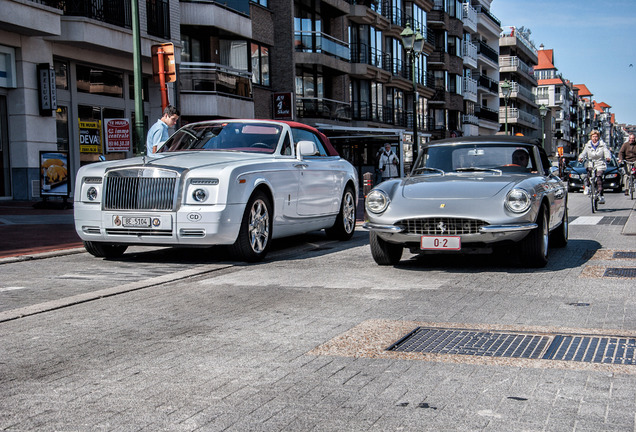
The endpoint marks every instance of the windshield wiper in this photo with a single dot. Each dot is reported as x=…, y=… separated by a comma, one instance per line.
x=478, y=169
x=422, y=169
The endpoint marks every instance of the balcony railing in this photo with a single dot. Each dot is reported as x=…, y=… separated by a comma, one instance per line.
x=323, y=108
x=506, y=63
x=241, y=6
x=488, y=84
x=365, y=54
x=486, y=12
x=318, y=42
x=486, y=113
x=379, y=113
x=516, y=113
x=470, y=16
x=488, y=52
x=470, y=119
x=215, y=78
x=116, y=12
x=470, y=51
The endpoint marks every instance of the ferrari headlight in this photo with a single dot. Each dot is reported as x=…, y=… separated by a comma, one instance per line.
x=518, y=201
x=377, y=201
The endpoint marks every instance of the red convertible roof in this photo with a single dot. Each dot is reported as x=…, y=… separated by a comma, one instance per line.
x=330, y=149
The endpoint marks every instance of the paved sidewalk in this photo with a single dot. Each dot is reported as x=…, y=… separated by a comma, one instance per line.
x=26, y=229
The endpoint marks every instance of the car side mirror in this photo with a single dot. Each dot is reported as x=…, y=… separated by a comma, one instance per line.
x=306, y=148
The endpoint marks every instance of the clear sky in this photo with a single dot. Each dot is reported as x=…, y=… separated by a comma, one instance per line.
x=594, y=43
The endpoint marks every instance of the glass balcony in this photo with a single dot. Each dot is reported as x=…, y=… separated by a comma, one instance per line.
x=215, y=78
x=318, y=42
x=323, y=108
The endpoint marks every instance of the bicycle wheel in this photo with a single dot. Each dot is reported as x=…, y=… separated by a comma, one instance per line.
x=632, y=186
x=593, y=198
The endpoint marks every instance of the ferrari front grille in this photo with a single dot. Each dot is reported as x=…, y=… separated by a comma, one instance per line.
x=441, y=226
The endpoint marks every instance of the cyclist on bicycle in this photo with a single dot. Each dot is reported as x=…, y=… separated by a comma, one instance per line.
x=597, y=153
x=627, y=153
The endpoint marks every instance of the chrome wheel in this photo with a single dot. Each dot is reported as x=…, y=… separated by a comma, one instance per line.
x=259, y=226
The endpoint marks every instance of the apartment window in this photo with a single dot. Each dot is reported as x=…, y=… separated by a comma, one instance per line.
x=263, y=3
x=233, y=53
x=454, y=46
x=61, y=74
x=455, y=84
x=191, y=51
x=260, y=64
x=99, y=81
x=144, y=87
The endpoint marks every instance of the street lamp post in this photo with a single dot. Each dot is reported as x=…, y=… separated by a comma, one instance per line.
x=578, y=140
x=413, y=43
x=506, y=89
x=543, y=110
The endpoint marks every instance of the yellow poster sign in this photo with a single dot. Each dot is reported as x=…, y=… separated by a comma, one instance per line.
x=90, y=136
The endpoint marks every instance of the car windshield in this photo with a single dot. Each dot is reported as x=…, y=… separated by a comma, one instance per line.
x=476, y=157
x=227, y=136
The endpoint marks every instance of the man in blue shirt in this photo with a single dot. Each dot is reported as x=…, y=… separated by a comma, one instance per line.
x=158, y=133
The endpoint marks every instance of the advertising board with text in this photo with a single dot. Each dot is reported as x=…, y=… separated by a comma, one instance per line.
x=90, y=136
x=117, y=135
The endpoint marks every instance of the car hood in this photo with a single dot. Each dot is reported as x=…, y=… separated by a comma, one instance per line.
x=458, y=187
x=188, y=160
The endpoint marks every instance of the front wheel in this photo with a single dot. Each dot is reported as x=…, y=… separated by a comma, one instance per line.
x=559, y=237
x=593, y=199
x=104, y=250
x=383, y=252
x=632, y=186
x=534, y=247
x=346, y=221
x=254, y=236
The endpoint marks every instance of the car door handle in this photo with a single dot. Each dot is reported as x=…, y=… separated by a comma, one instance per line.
x=301, y=165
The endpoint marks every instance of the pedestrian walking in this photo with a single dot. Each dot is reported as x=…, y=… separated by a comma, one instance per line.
x=158, y=133
x=389, y=163
x=627, y=153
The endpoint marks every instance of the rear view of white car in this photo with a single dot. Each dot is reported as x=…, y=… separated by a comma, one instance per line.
x=239, y=183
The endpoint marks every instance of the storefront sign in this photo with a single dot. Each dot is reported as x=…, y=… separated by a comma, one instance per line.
x=117, y=134
x=90, y=137
x=283, y=106
x=54, y=179
x=46, y=88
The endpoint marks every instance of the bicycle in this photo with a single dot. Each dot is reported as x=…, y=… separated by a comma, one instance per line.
x=591, y=180
x=631, y=173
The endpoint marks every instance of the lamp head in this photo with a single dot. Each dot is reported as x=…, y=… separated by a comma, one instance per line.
x=543, y=110
x=408, y=37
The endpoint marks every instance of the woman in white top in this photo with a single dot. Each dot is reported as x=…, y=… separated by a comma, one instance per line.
x=597, y=153
x=388, y=163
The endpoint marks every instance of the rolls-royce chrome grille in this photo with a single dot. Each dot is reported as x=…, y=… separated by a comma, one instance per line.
x=441, y=226
x=140, y=189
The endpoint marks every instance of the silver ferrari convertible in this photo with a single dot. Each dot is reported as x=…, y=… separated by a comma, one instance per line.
x=468, y=195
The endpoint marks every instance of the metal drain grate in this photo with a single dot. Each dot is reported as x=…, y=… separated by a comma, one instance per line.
x=592, y=349
x=625, y=272
x=468, y=342
x=624, y=255
x=613, y=220
x=579, y=348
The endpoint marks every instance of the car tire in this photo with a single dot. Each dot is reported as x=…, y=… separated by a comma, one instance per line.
x=104, y=250
x=383, y=252
x=559, y=237
x=534, y=247
x=345, y=224
x=255, y=232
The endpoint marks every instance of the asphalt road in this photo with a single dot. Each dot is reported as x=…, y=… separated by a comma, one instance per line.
x=185, y=340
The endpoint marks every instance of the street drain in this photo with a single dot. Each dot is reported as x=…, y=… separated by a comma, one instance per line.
x=624, y=272
x=613, y=220
x=476, y=343
x=624, y=255
x=592, y=349
x=578, y=348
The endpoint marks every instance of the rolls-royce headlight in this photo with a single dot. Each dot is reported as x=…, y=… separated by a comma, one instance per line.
x=91, y=193
x=377, y=201
x=199, y=195
x=518, y=201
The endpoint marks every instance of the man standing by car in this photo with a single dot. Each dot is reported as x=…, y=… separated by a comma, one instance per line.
x=158, y=133
x=388, y=163
x=627, y=153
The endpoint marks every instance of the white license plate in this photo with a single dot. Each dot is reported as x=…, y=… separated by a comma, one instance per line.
x=440, y=243
x=135, y=222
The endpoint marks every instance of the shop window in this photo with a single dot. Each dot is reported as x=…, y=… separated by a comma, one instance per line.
x=61, y=123
x=96, y=80
x=61, y=74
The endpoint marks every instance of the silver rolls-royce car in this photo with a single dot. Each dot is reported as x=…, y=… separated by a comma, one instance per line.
x=240, y=183
x=471, y=194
